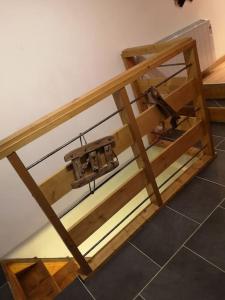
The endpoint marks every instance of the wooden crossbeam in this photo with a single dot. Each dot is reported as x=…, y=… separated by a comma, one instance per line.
x=63, y=114
x=60, y=183
x=126, y=233
x=109, y=206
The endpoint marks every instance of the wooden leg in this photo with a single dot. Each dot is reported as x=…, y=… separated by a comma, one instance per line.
x=47, y=209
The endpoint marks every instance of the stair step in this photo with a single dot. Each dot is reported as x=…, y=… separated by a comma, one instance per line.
x=66, y=275
x=37, y=283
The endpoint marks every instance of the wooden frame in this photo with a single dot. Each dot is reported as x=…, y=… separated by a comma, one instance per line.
x=129, y=135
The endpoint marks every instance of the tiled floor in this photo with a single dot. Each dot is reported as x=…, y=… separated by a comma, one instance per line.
x=179, y=254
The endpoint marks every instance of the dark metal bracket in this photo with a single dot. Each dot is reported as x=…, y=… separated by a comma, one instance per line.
x=92, y=160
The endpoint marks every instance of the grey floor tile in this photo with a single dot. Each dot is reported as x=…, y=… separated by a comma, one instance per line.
x=217, y=140
x=218, y=129
x=5, y=292
x=221, y=145
x=216, y=169
x=163, y=235
x=123, y=276
x=2, y=277
x=74, y=291
x=198, y=199
x=187, y=277
x=209, y=240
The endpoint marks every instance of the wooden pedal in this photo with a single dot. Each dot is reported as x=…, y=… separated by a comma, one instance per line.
x=92, y=160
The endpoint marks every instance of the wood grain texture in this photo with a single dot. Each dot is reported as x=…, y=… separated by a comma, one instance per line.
x=49, y=212
x=126, y=233
x=95, y=218
x=107, y=208
x=59, y=184
x=63, y=114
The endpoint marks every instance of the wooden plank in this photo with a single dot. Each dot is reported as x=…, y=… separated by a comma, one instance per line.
x=177, y=99
x=126, y=233
x=107, y=208
x=63, y=114
x=37, y=283
x=49, y=212
x=214, y=90
x=166, y=88
x=171, y=153
x=213, y=68
x=151, y=48
x=140, y=148
x=59, y=184
x=217, y=114
x=125, y=120
x=191, y=57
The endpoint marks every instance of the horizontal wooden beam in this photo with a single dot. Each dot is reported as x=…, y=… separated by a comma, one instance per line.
x=165, y=88
x=214, y=90
x=217, y=114
x=63, y=114
x=128, y=231
x=95, y=218
x=59, y=184
x=151, y=48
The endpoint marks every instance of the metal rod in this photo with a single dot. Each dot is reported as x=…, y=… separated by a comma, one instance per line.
x=172, y=65
x=117, y=225
x=99, y=123
x=179, y=169
x=140, y=204
x=73, y=139
x=118, y=171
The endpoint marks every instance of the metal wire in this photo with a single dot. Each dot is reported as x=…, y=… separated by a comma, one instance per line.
x=140, y=204
x=120, y=169
x=172, y=65
x=117, y=225
x=100, y=122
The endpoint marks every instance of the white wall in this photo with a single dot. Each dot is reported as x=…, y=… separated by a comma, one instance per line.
x=53, y=51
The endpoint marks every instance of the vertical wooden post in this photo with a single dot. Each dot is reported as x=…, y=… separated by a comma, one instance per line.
x=128, y=117
x=129, y=62
x=47, y=209
x=191, y=57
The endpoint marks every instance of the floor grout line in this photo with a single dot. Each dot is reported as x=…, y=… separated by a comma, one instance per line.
x=169, y=260
x=141, y=297
x=139, y=250
x=183, y=215
x=220, y=184
x=86, y=288
x=220, y=136
x=219, y=143
x=221, y=150
x=208, y=261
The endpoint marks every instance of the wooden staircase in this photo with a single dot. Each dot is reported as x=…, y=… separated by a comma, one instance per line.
x=39, y=279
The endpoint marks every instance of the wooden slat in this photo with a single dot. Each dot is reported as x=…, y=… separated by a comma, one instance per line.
x=44, y=125
x=191, y=57
x=176, y=149
x=60, y=183
x=217, y=114
x=125, y=234
x=143, y=160
x=214, y=90
x=107, y=208
x=149, y=49
x=40, y=198
x=166, y=88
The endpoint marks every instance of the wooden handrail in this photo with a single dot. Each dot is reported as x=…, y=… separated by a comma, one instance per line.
x=68, y=111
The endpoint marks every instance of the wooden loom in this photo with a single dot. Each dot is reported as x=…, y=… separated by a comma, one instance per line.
x=129, y=135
